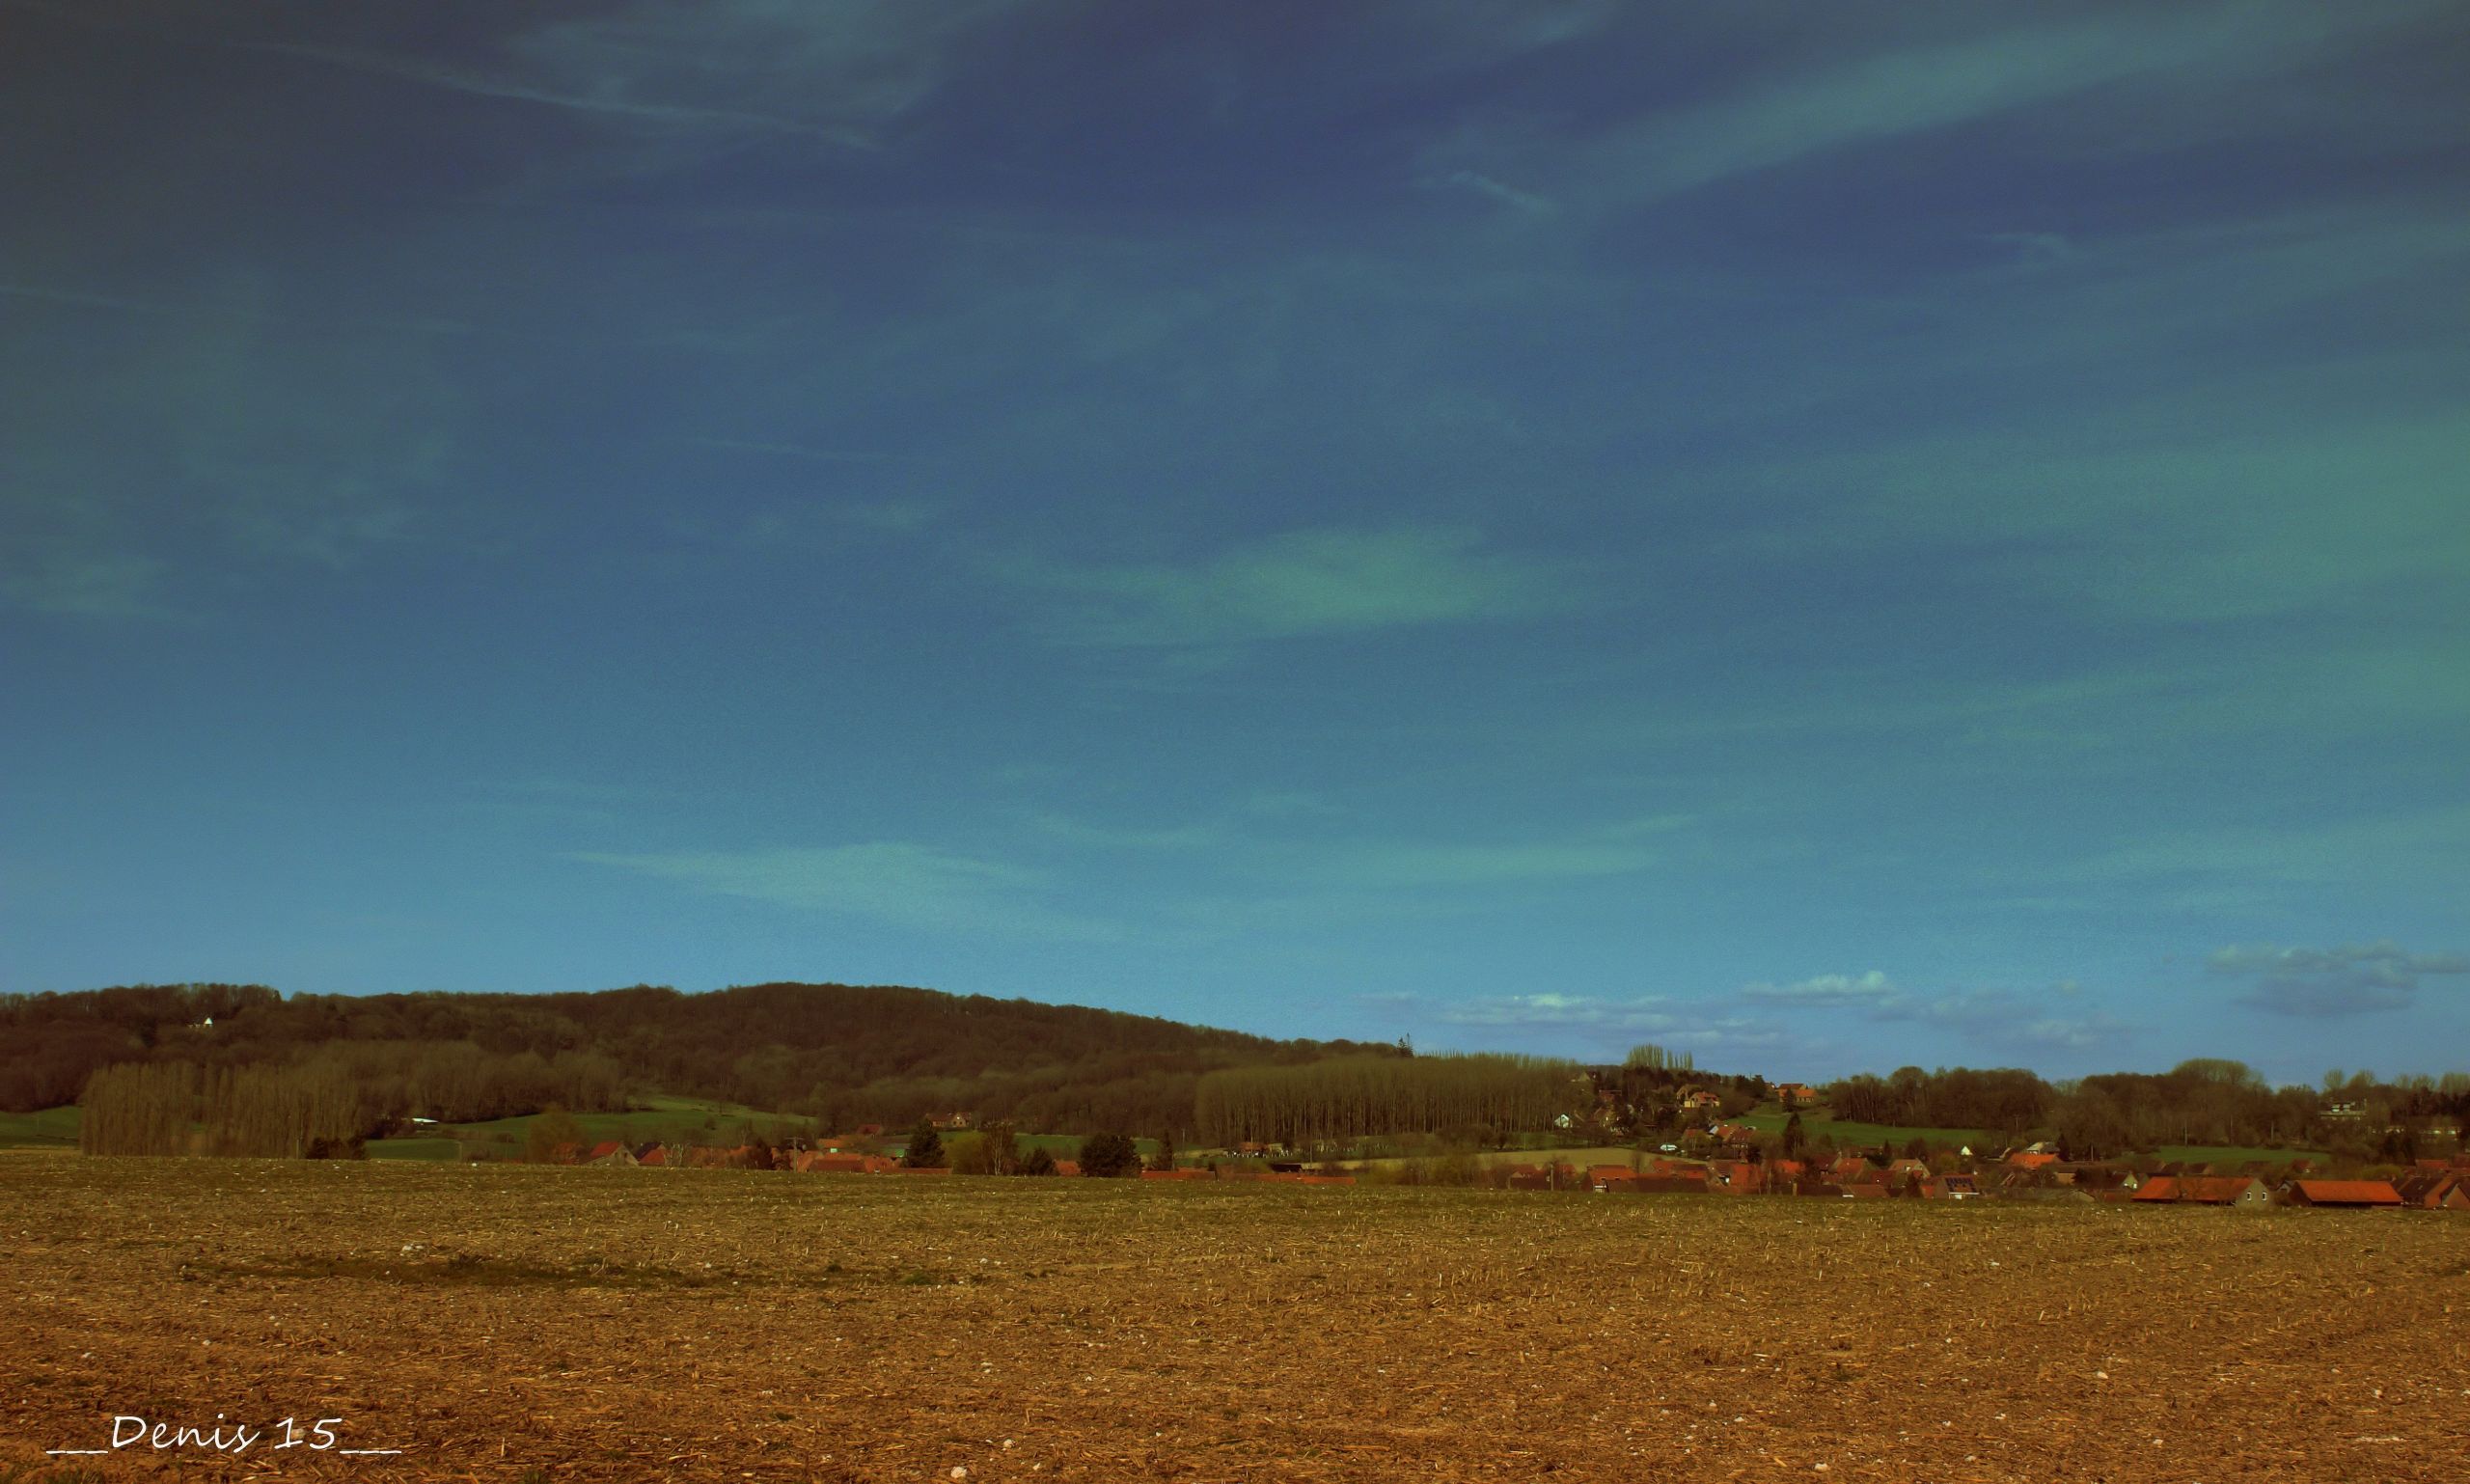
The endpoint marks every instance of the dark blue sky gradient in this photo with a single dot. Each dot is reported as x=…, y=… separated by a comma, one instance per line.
x=1828, y=537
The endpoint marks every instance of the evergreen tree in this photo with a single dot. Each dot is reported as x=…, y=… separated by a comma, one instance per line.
x=1109, y=1156
x=926, y=1149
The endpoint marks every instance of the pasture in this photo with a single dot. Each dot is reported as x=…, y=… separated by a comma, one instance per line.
x=517, y=1323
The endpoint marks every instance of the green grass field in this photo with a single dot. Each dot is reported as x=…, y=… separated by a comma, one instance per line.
x=659, y=1117
x=1845, y=1132
x=53, y=1128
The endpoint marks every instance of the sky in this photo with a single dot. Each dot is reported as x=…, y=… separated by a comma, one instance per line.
x=1823, y=536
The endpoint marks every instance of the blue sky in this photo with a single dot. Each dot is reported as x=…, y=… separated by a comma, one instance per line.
x=1827, y=536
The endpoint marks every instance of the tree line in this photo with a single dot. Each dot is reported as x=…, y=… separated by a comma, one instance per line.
x=2202, y=1101
x=182, y=1107
x=1344, y=1099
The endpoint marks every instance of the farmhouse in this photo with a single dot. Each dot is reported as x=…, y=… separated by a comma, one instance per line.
x=1602, y=1178
x=2348, y=1194
x=2244, y=1192
x=2434, y=1190
x=823, y=1163
x=1792, y=1095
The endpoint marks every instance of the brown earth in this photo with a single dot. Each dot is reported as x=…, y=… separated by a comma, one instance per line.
x=508, y=1323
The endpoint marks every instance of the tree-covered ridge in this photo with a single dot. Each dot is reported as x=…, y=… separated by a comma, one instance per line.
x=837, y=1052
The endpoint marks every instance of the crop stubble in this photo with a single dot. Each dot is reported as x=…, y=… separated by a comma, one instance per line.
x=499, y=1322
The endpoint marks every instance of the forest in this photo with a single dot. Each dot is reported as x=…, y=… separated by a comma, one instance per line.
x=837, y=1053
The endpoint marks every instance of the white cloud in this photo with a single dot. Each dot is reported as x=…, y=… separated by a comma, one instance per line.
x=1565, y=1012
x=1826, y=989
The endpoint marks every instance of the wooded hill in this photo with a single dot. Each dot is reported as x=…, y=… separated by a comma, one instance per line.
x=842, y=1054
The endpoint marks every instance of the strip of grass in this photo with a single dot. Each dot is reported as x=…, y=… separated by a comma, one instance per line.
x=414, y=1150
x=662, y=1119
x=52, y=1128
x=1845, y=1132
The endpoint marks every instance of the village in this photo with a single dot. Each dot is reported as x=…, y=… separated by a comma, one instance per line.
x=1704, y=1154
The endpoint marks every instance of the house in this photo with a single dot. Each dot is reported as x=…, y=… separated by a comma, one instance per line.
x=1792, y=1095
x=828, y=1164
x=2245, y=1192
x=610, y=1151
x=1731, y=1177
x=1959, y=1187
x=2441, y=1188
x=1603, y=1179
x=1528, y=1177
x=1700, y=1100
x=653, y=1154
x=2346, y=1194
x=1068, y=1166
x=2099, y=1179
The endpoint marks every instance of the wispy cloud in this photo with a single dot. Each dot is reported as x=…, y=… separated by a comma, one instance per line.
x=2353, y=979
x=479, y=85
x=1826, y=989
x=1394, y=865
x=1605, y=1024
x=905, y=885
x=718, y=70
x=1897, y=91
x=2056, y=1019
x=1303, y=583
x=112, y=585
x=1564, y=1012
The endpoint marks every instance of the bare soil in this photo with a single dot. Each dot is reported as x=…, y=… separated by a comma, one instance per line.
x=506, y=1323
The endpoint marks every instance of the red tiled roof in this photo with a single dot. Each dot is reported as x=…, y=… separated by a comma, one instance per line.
x=2347, y=1193
x=2200, y=1189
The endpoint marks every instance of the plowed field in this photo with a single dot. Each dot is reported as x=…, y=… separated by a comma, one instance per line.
x=510, y=1323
